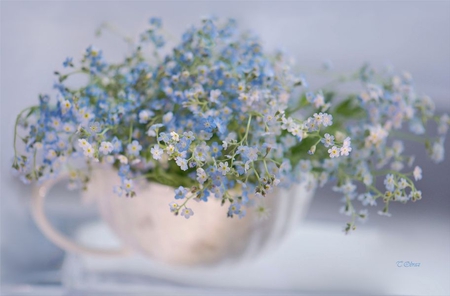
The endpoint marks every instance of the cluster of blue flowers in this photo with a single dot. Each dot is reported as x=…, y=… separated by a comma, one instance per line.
x=218, y=117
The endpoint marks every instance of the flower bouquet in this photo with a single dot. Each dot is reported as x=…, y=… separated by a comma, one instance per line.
x=219, y=117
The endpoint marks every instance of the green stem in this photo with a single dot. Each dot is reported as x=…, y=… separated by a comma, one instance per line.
x=104, y=131
x=34, y=165
x=267, y=170
x=131, y=133
x=15, y=131
x=256, y=173
x=248, y=128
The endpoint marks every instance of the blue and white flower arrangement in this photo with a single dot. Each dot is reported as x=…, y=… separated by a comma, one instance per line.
x=219, y=117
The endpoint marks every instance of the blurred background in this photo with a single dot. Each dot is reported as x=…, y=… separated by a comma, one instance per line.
x=37, y=36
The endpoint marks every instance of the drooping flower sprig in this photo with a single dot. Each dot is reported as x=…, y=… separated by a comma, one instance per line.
x=219, y=117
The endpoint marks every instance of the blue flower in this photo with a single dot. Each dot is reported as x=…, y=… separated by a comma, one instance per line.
x=68, y=62
x=220, y=124
x=216, y=150
x=94, y=127
x=156, y=22
x=234, y=208
x=207, y=124
x=187, y=212
x=117, y=145
x=203, y=196
x=217, y=112
x=240, y=169
x=181, y=192
x=217, y=178
x=124, y=170
x=182, y=163
x=189, y=135
x=164, y=137
x=183, y=144
x=250, y=154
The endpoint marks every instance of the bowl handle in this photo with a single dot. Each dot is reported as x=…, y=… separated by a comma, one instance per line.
x=39, y=195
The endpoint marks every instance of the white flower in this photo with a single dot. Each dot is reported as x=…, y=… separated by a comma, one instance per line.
x=214, y=95
x=89, y=151
x=224, y=145
x=185, y=74
x=106, y=147
x=118, y=190
x=416, y=127
x=397, y=166
x=287, y=122
x=389, y=182
x=437, y=151
x=128, y=185
x=367, y=199
x=167, y=117
x=247, y=166
x=84, y=115
x=51, y=154
x=345, y=211
x=223, y=168
x=416, y=195
x=383, y=213
x=444, y=121
x=83, y=143
x=363, y=215
x=398, y=147
x=123, y=159
x=170, y=149
x=334, y=152
x=244, y=97
x=144, y=116
x=376, y=136
x=417, y=173
x=327, y=119
x=295, y=130
x=367, y=179
x=175, y=136
x=56, y=123
x=328, y=140
x=348, y=188
x=402, y=184
x=61, y=145
x=201, y=175
x=157, y=152
x=109, y=159
x=187, y=212
x=305, y=165
x=66, y=105
x=318, y=117
x=68, y=128
x=347, y=142
x=345, y=151
x=151, y=132
x=329, y=164
x=319, y=101
x=173, y=206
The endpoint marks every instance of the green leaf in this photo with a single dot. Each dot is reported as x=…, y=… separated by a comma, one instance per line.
x=350, y=108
